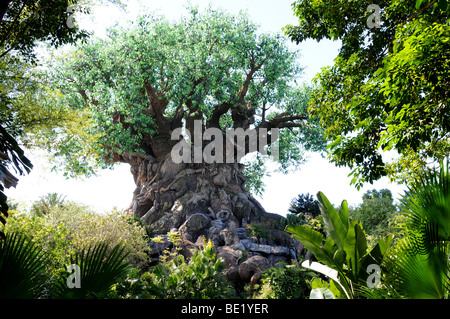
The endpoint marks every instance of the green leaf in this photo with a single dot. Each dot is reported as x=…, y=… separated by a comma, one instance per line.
x=336, y=223
x=355, y=248
x=418, y=3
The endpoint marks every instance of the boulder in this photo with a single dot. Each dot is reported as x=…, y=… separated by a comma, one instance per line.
x=251, y=269
x=191, y=229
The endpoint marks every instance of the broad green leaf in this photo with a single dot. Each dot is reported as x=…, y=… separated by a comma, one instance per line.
x=336, y=224
x=355, y=248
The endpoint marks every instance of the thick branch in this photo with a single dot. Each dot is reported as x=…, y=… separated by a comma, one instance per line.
x=281, y=120
x=244, y=88
x=220, y=110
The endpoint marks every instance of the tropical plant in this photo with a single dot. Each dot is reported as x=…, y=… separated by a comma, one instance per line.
x=284, y=282
x=10, y=153
x=22, y=264
x=46, y=203
x=98, y=271
x=198, y=278
x=344, y=256
x=419, y=266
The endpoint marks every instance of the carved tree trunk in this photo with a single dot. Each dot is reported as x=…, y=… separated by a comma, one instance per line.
x=205, y=201
x=167, y=194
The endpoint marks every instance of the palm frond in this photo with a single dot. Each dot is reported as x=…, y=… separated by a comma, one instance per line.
x=21, y=264
x=99, y=270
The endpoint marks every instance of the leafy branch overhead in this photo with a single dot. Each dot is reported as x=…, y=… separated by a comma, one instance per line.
x=389, y=87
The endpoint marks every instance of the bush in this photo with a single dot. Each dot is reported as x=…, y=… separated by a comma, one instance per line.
x=73, y=227
x=199, y=278
x=287, y=282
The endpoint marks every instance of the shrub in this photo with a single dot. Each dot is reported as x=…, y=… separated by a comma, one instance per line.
x=198, y=278
x=287, y=282
x=73, y=227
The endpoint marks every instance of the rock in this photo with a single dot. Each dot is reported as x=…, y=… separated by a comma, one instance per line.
x=280, y=238
x=190, y=230
x=229, y=237
x=238, y=246
x=241, y=232
x=266, y=249
x=251, y=269
x=157, y=248
x=230, y=256
x=247, y=242
x=217, y=223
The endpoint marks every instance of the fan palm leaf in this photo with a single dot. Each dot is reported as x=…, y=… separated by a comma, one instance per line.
x=21, y=264
x=419, y=265
x=99, y=270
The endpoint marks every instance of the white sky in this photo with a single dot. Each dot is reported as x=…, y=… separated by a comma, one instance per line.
x=114, y=187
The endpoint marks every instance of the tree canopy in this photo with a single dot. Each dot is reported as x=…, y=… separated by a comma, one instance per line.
x=389, y=86
x=152, y=75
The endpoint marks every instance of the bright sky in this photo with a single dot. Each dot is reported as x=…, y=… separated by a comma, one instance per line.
x=113, y=188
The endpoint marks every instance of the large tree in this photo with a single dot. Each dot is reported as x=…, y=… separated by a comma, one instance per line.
x=389, y=86
x=208, y=72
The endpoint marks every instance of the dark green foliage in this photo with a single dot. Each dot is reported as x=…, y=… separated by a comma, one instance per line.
x=388, y=88
x=99, y=270
x=305, y=204
x=24, y=22
x=419, y=265
x=21, y=266
x=10, y=153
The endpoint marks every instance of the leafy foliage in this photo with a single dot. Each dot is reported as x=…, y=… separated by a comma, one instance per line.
x=377, y=213
x=345, y=249
x=47, y=203
x=285, y=282
x=388, y=88
x=418, y=267
x=73, y=227
x=199, y=278
x=305, y=204
x=99, y=270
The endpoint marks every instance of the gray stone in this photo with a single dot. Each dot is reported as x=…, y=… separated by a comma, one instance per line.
x=217, y=223
x=247, y=243
x=238, y=246
x=241, y=232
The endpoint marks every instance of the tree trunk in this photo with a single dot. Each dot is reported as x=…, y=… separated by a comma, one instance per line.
x=207, y=201
x=167, y=194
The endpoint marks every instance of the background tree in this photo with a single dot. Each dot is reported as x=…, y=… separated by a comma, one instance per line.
x=305, y=204
x=389, y=86
x=45, y=204
x=377, y=213
x=153, y=76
